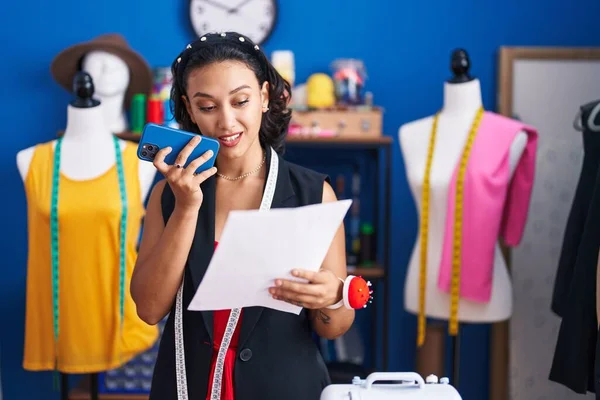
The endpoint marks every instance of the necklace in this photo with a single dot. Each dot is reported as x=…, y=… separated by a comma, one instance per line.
x=247, y=173
x=424, y=228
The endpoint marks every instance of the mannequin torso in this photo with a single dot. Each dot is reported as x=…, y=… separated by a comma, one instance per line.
x=82, y=248
x=461, y=102
x=88, y=149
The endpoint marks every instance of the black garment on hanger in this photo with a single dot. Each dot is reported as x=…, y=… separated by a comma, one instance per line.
x=574, y=296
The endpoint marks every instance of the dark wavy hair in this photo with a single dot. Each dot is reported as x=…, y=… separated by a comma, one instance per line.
x=227, y=46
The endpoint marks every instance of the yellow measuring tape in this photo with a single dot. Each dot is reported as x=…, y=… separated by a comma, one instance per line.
x=457, y=241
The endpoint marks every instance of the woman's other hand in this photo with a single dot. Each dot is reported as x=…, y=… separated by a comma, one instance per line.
x=184, y=183
x=322, y=289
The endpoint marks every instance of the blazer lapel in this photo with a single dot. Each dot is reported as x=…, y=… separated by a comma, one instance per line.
x=284, y=192
x=203, y=246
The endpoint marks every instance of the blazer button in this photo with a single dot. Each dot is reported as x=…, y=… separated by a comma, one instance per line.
x=245, y=354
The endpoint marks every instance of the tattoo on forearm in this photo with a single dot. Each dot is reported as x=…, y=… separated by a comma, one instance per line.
x=323, y=317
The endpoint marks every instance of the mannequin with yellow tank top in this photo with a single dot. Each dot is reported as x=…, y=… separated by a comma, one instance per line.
x=85, y=198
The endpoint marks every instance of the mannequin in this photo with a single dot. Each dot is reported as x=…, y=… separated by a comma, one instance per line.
x=111, y=79
x=462, y=100
x=87, y=157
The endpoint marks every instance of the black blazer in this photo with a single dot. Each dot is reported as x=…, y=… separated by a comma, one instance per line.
x=277, y=356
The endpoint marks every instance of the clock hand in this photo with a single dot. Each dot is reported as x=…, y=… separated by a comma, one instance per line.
x=219, y=5
x=237, y=8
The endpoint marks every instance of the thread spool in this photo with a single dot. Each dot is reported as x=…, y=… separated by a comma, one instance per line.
x=155, y=111
x=138, y=112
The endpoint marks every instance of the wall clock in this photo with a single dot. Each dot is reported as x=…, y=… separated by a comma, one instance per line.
x=253, y=18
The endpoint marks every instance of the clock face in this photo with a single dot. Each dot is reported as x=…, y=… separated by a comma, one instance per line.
x=253, y=18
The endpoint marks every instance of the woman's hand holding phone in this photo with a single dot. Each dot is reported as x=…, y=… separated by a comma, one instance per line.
x=183, y=181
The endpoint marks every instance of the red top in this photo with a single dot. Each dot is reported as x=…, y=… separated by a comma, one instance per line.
x=220, y=319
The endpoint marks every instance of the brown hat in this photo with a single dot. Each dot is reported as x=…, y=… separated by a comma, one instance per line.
x=67, y=63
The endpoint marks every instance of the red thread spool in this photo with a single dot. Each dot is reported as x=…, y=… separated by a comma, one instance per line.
x=155, y=112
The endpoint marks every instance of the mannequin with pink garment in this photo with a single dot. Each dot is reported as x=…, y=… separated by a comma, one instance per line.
x=428, y=295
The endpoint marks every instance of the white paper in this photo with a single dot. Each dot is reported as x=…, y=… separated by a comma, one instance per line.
x=257, y=247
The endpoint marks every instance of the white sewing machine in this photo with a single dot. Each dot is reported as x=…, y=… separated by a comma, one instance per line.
x=410, y=386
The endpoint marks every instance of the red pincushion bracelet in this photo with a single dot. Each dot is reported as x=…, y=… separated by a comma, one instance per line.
x=356, y=293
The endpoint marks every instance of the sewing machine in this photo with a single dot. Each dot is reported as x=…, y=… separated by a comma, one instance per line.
x=405, y=386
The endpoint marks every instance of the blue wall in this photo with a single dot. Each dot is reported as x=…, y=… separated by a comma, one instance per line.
x=406, y=48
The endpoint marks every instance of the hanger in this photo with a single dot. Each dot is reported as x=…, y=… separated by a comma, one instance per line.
x=591, y=120
x=594, y=127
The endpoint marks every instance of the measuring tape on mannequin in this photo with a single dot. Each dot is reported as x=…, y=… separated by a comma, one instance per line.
x=457, y=232
x=55, y=244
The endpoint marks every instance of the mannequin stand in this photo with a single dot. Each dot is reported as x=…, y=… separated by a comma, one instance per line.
x=94, y=386
x=432, y=357
x=455, y=360
x=64, y=386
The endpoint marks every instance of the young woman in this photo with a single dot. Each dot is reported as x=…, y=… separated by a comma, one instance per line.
x=225, y=88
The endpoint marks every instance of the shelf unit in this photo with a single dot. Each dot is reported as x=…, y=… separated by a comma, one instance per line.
x=378, y=272
x=381, y=148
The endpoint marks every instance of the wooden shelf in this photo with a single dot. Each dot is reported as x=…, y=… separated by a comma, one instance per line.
x=134, y=137
x=373, y=272
x=337, y=140
x=308, y=140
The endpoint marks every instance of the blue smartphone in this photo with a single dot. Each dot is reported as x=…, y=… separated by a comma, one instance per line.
x=155, y=137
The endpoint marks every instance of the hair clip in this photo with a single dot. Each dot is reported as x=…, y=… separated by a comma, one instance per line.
x=178, y=60
x=203, y=39
x=255, y=47
x=241, y=39
x=223, y=34
x=189, y=46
